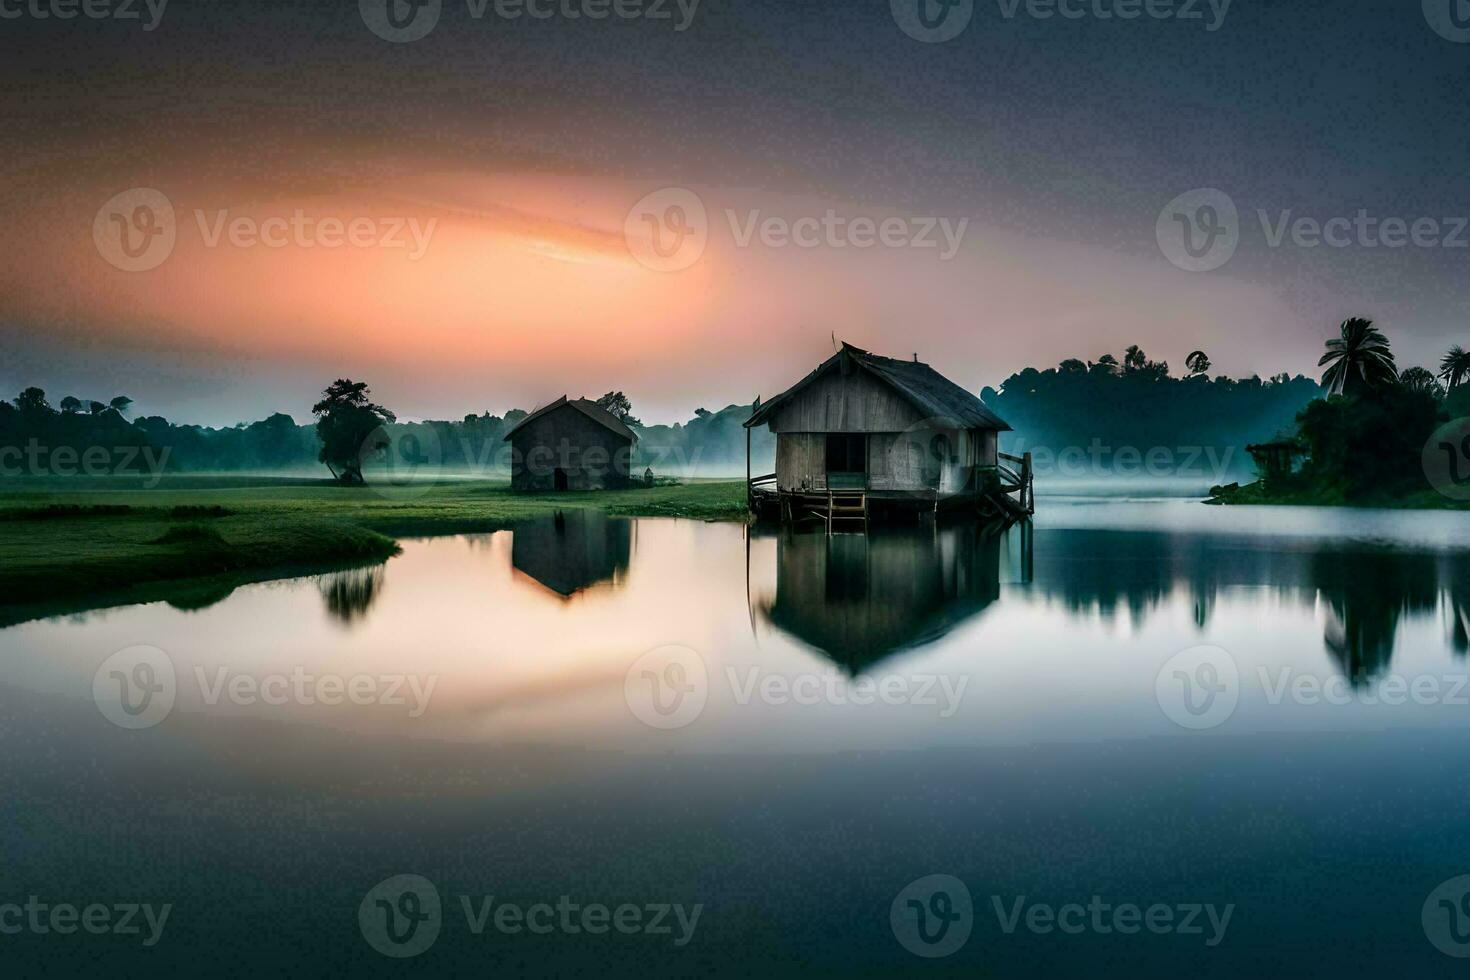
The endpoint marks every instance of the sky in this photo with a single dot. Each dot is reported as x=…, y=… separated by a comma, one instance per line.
x=219, y=207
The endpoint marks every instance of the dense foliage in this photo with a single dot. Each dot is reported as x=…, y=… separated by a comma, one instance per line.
x=1135, y=403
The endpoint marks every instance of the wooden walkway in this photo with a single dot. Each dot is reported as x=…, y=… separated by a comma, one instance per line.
x=1004, y=493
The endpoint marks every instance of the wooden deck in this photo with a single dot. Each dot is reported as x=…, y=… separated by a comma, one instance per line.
x=1004, y=493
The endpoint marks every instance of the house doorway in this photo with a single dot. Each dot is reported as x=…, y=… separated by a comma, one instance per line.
x=847, y=461
x=559, y=480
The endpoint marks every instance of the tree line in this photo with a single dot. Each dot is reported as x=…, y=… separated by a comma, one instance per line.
x=1135, y=401
x=348, y=421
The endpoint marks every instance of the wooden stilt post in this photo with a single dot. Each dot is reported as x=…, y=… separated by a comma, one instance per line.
x=749, y=490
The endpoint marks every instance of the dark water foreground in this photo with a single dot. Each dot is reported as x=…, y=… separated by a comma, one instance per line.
x=1153, y=740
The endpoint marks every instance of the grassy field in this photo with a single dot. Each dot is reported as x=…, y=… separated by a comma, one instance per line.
x=87, y=542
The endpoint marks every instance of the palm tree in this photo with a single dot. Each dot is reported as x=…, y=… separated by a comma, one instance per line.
x=1359, y=358
x=1198, y=362
x=1420, y=379
x=1455, y=367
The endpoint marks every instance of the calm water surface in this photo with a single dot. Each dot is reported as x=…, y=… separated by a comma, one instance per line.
x=1152, y=702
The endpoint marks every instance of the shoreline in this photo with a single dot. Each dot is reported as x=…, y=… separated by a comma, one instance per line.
x=88, y=547
x=1257, y=495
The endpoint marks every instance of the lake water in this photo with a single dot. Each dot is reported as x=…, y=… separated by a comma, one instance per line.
x=1144, y=735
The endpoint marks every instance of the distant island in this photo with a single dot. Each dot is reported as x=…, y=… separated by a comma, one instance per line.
x=1379, y=439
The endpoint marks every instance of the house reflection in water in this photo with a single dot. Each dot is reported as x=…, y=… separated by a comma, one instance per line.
x=858, y=598
x=572, y=550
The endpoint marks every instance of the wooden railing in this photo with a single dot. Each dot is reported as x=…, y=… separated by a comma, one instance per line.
x=1024, y=480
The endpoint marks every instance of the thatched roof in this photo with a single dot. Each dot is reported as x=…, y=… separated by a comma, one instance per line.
x=925, y=388
x=591, y=409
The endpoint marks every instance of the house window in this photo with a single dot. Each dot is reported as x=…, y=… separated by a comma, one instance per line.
x=847, y=453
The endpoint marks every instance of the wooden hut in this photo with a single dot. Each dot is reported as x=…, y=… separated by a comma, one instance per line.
x=864, y=433
x=570, y=445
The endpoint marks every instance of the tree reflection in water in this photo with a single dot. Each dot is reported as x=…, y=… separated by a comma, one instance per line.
x=350, y=594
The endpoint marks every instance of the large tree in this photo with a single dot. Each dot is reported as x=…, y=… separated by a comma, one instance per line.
x=33, y=402
x=616, y=404
x=1455, y=367
x=1419, y=379
x=1359, y=359
x=350, y=428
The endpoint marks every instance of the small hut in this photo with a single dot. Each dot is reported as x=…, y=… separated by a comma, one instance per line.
x=865, y=432
x=570, y=445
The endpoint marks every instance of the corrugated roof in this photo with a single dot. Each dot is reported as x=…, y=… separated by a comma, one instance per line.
x=928, y=390
x=591, y=409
